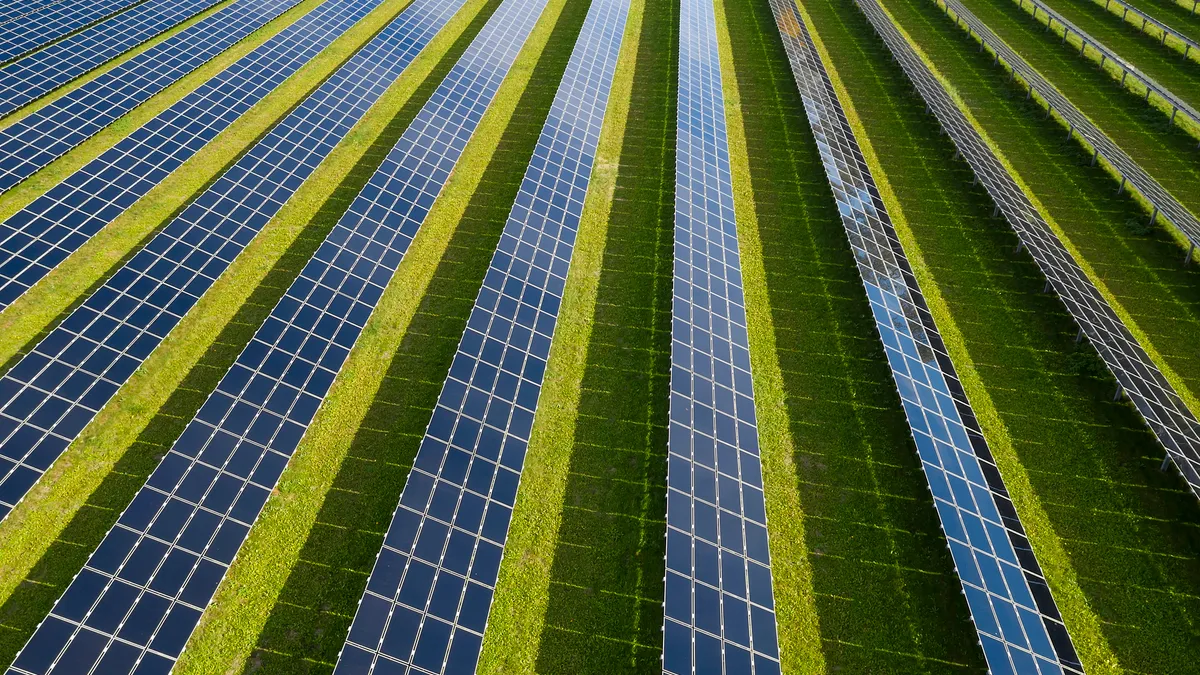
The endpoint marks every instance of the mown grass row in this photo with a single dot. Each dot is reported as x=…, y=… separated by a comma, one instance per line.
x=1167, y=153
x=47, y=538
x=1163, y=65
x=604, y=606
x=1137, y=265
x=886, y=594
x=350, y=483
x=1128, y=530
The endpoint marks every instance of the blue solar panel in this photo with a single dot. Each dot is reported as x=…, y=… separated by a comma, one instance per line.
x=29, y=78
x=55, y=390
x=25, y=33
x=198, y=505
x=719, y=608
x=1019, y=625
x=40, y=236
x=428, y=597
x=20, y=8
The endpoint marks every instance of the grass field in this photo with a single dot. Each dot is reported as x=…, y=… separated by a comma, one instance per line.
x=1162, y=64
x=1168, y=154
x=1124, y=525
x=877, y=551
x=1139, y=265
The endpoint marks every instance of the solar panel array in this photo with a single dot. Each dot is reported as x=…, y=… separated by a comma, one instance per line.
x=40, y=236
x=1127, y=69
x=26, y=33
x=427, y=600
x=719, y=607
x=29, y=78
x=1017, y=621
x=1150, y=392
x=1127, y=9
x=1158, y=196
x=19, y=8
x=56, y=389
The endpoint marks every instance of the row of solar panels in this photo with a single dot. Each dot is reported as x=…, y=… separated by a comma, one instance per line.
x=427, y=599
x=1166, y=30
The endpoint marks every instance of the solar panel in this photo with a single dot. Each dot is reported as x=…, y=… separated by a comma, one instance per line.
x=26, y=33
x=1018, y=623
x=1165, y=30
x=427, y=600
x=20, y=8
x=719, y=607
x=1140, y=379
x=56, y=389
x=29, y=78
x=1130, y=171
x=40, y=236
x=230, y=457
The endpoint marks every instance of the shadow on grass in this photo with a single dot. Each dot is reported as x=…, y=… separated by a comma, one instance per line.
x=308, y=624
x=35, y=596
x=604, y=612
x=887, y=595
x=1131, y=532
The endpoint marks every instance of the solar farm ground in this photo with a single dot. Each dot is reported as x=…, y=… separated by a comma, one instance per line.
x=863, y=579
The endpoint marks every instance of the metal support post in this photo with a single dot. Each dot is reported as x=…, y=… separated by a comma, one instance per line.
x=1153, y=215
x=1122, y=188
x=1120, y=391
x=1079, y=336
x=1166, y=462
x=1188, y=258
x=1095, y=156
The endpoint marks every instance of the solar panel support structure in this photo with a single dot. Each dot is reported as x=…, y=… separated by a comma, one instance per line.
x=1148, y=20
x=1138, y=377
x=1017, y=621
x=1096, y=140
x=1085, y=40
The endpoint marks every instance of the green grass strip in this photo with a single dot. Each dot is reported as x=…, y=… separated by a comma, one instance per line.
x=232, y=635
x=29, y=317
x=1178, y=14
x=41, y=519
x=523, y=589
x=1170, y=14
x=795, y=600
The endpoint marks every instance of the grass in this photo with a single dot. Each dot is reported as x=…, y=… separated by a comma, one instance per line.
x=604, y=610
x=1139, y=267
x=46, y=518
x=791, y=570
x=1128, y=530
x=1169, y=155
x=291, y=596
x=885, y=591
x=1163, y=65
x=32, y=315
x=523, y=589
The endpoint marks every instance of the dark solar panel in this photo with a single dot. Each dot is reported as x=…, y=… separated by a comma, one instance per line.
x=719, y=608
x=29, y=78
x=1151, y=393
x=55, y=390
x=427, y=600
x=230, y=457
x=40, y=236
x=25, y=33
x=1158, y=196
x=1018, y=623
x=19, y=8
